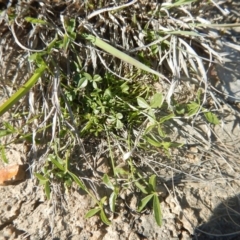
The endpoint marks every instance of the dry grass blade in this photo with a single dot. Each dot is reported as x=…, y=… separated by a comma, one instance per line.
x=218, y=25
x=109, y=9
x=194, y=55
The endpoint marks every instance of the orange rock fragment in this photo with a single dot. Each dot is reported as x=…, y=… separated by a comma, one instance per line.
x=12, y=173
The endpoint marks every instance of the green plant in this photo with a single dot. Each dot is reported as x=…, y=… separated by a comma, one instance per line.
x=22, y=90
x=95, y=89
x=17, y=135
x=115, y=191
x=149, y=189
x=195, y=107
x=55, y=167
x=58, y=168
x=100, y=210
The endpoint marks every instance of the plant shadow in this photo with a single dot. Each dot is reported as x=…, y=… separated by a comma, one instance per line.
x=224, y=224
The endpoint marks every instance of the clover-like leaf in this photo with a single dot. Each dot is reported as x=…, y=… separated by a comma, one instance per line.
x=144, y=202
x=78, y=181
x=152, y=182
x=211, y=118
x=113, y=198
x=157, y=100
x=47, y=189
x=107, y=181
x=142, y=103
x=141, y=187
x=157, y=210
x=104, y=217
x=193, y=108
x=92, y=212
